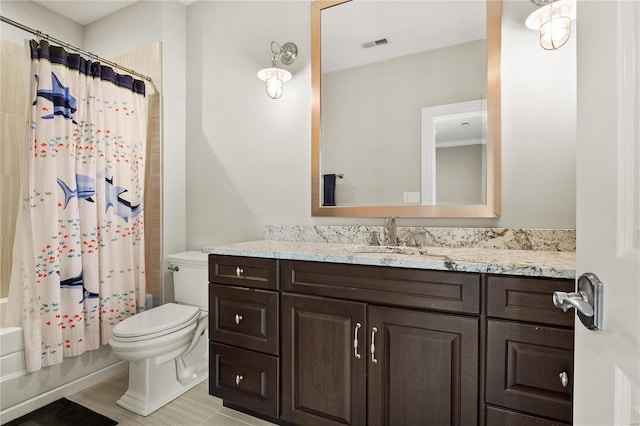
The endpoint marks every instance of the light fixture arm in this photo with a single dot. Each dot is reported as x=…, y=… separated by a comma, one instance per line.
x=287, y=52
x=275, y=48
x=542, y=2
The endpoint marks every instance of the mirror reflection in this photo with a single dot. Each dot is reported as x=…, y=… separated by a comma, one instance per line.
x=453, y=153
x=384, y=141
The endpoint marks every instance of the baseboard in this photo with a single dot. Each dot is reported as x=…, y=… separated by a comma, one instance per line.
x=62, y=391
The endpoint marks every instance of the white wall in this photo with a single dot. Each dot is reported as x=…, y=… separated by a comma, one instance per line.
x=248, y=159
x=39, y=18
x=538, y=126
x=249, y=156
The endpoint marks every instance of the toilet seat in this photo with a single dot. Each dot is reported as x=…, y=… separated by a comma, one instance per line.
x=157, y=322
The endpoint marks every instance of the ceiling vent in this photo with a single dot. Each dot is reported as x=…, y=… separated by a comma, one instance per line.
x=375, y=43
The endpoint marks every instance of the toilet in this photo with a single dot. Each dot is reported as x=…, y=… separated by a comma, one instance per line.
x=167, y=346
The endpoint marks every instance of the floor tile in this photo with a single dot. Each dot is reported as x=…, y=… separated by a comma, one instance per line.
x=195, y=408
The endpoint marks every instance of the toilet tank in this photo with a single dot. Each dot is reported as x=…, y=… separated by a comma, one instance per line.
x=190, y=278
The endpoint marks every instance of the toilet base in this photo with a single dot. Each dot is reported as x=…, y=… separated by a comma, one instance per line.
x=154, y=382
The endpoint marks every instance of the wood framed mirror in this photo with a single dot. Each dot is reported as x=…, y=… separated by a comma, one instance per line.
x=414, y=167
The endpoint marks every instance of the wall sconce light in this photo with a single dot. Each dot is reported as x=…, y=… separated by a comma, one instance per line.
x=275, y=77
x=553, y=20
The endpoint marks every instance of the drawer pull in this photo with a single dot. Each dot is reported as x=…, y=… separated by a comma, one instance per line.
x=564, y=379
x=239, y=378
x=374, y=330
x=238, y=319
x=239, y=272
x=355, y=341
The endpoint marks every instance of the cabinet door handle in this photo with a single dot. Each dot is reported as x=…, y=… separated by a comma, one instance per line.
x=564, y=379
x=374, y=330
x=355, y=341
x=238, y=319
x=239, y=378
x=239, y=272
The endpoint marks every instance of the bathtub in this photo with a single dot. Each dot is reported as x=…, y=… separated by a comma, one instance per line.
x=24, y=392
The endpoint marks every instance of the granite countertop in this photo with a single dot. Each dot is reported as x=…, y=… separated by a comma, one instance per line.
x=552, y=264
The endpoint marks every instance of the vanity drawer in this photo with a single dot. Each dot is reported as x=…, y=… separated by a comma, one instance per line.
x=524, y=364
x=528, y=299
x=416, y=288
x=244, y=317
x=254, y=272
x=246, y=378
x=500, y=417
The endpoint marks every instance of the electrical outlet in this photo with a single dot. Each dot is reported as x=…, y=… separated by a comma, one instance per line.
x=411, y=197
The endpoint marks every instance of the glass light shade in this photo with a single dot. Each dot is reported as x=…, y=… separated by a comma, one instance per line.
x=274, y=79
x=555, y=32
x=554, y=23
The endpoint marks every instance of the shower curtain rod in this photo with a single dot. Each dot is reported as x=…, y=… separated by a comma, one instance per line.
x=77, y=49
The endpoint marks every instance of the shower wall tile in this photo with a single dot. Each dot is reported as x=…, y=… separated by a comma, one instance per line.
x=14, y=78
x=13, y=137
x=14, y=102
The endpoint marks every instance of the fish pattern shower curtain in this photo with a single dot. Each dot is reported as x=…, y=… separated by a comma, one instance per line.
x=81, y=228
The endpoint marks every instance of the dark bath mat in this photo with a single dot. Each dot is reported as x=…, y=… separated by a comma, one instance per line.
x=62, y=413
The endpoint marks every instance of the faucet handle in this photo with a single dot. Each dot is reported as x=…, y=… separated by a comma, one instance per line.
x=373, y=241
x=419, y=238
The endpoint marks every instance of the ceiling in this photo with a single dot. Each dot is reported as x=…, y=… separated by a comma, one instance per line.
x=408, y=26
x=86, y=11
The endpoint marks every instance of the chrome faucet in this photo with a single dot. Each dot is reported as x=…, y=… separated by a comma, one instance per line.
x=390, y=228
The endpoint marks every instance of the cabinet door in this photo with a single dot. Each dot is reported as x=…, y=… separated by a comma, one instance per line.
x=323, y=382
x=424, y=370
x=524, y=367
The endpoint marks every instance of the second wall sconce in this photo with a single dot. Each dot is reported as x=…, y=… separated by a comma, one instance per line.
x=275, y=77
x=553, y=20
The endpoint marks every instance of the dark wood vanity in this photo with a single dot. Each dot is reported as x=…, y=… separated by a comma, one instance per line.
x=320, y=343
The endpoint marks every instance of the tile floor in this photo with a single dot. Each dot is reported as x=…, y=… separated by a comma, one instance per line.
x=194, y=408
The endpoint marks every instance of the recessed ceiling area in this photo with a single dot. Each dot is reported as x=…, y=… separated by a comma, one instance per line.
x=87, y=11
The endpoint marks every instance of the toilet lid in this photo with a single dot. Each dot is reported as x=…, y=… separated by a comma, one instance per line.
x=158, y=321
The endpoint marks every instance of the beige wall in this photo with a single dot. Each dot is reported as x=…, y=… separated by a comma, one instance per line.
x=459, y=174
x=371, y=118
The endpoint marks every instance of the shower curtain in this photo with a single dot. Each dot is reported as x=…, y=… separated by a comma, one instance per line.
x=79, y=251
